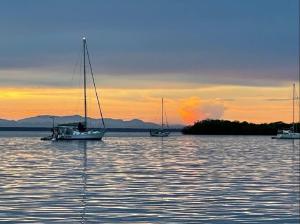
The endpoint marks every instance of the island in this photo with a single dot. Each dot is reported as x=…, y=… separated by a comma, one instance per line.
x=226, y=127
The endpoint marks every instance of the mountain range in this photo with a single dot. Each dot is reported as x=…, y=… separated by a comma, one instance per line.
x=46, y=121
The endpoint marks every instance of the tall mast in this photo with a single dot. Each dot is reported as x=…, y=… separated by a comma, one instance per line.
x=298, y=67
x=84, y=82
x=293, y=107
x=162, y=113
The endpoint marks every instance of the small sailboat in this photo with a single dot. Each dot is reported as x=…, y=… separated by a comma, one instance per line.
x=286, y=134
x=162, y=132
x=289, y=134
x=80, y=130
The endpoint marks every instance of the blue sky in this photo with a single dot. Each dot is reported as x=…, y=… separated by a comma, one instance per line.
x=243, y=42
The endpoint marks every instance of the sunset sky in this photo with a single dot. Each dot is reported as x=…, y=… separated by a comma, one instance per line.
x=227, y=59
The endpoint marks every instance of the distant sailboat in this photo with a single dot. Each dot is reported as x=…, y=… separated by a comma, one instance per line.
x=162, y=132
x=289, y=134
x=80, y=130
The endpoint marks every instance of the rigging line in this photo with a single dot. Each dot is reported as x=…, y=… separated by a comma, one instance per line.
x=167, y=123
x=74, y=81
x=98, y=101
x=78, y=61
x=78, y=81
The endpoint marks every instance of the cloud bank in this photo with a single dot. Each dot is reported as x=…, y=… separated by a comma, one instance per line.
x=209, y=41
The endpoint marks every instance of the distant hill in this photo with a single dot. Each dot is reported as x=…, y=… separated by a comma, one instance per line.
x=7, y=123
x=46, y=121
x=224, y=127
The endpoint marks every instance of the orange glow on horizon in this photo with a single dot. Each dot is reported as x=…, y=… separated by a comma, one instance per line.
x=189, y=111
x=253, y=104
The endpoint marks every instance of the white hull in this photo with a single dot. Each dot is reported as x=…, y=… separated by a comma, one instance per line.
x=87, y=135
x=289, y=135
x=159, y=133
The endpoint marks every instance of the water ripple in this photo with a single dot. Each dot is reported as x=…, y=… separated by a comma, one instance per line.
x=182, y=179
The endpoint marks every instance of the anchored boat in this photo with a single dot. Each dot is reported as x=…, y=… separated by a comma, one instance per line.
x=289, y=134
x=286, y=134
x=80, y=130
x=162, y=132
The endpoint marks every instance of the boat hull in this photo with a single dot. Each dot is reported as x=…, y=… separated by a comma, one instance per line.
x=287, y=136
x=89, y=135
x=159, y=133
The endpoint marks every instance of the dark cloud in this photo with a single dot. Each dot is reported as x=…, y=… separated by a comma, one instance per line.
x=250, y=42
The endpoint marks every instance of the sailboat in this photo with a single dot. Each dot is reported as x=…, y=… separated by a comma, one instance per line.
x=80, y=130
x=162, y=132
x=289, y=134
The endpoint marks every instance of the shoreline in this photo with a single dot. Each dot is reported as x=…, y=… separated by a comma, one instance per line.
x=46, y=129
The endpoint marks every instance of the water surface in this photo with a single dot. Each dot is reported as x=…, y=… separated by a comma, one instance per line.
x=132, y=178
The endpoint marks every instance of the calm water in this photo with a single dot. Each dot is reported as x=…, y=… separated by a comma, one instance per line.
x=132, y=178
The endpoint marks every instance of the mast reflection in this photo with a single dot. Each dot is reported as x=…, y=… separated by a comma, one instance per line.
x=83, y=145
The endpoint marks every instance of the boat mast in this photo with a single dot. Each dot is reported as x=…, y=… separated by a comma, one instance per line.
x=84, y=83
x=162, y=113
x=297, y=126
x=293, y=107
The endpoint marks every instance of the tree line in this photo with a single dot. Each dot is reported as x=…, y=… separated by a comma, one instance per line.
x=225, y=127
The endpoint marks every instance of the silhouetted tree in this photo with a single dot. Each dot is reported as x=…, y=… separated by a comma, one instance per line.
x=225, y=127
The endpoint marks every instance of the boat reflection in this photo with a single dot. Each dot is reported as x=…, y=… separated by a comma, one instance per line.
x=83, y=146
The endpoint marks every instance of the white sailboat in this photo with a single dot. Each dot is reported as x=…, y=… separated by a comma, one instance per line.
x=289, y=134
x=80, y=130
x=162, y=132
